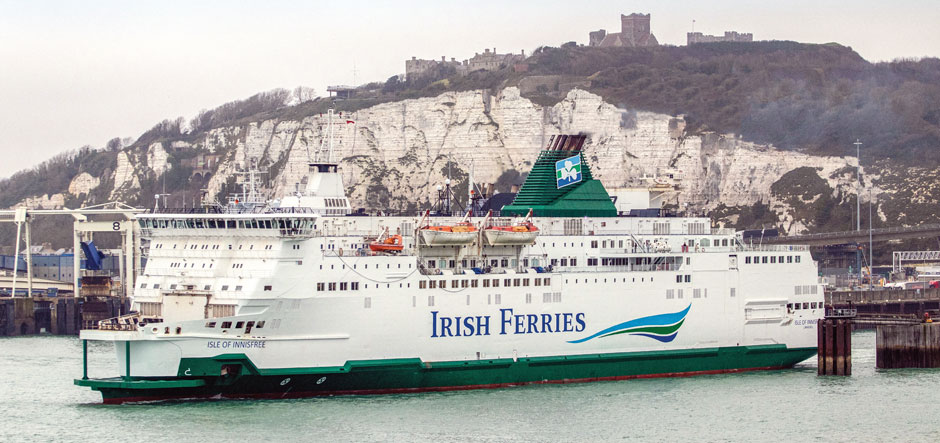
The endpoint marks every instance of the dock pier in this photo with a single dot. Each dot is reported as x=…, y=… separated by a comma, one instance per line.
x=908, y=346
x=834, y=336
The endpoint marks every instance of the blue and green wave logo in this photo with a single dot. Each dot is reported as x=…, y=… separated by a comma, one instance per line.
x=662, y=327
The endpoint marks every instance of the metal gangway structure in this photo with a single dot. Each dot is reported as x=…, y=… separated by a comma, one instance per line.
x=127, y=227
x=899, y=257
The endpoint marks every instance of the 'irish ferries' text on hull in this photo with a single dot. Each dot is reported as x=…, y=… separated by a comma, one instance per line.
x=299, y=299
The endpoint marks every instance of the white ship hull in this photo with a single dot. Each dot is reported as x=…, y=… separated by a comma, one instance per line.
x=333, y=312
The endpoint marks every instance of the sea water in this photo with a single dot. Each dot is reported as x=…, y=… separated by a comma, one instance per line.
x=38, y=402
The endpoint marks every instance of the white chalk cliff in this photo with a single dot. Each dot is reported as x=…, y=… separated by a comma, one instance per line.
x=400, y=149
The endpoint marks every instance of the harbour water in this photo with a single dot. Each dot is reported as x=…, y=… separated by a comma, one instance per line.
x=39, y=403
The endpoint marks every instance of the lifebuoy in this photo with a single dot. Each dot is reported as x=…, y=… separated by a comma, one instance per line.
x=340, y=252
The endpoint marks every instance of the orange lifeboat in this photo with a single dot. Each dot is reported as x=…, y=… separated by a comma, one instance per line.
x=392, y=245
x=459, y=234
x=518, y=234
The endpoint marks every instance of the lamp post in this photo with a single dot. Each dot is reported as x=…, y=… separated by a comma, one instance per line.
x=871, y=251
x=858, y=203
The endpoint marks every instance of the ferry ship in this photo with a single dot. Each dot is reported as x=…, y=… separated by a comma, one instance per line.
x=294, y=299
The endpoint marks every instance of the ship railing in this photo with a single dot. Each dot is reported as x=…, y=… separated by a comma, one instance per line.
x=127, y=322
x=621, y=268
x=361, y=252
x=841, y=313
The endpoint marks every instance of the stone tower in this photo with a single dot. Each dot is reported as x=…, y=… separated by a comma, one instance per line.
x=635, y=29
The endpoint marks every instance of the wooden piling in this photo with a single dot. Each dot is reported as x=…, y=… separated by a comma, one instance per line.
x=834, y=341
x=908, y=346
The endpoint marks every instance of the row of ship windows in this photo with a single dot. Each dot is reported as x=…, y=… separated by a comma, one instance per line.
x=335, y=202
x=773, y=259
x=487, y=283
x=805, y=289
x=342, y=286
x=191, y=287
x=387, y=266
x=696, y=293
x=189, y=265
x=594, y=244
x=604, y=280
x=475, y=283
x=805, y=305
x=238, y=325
x=215, y=247
x=248, y=325
x=229, y=224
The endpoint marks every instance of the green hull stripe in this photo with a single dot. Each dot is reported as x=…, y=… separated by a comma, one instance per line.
x=203, y=374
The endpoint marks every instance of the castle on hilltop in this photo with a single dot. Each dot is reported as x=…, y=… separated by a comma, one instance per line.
x=730, y=36
x=634, y=32
x=486, y=61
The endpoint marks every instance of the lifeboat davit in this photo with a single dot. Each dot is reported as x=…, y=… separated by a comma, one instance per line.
x=459, y=234
x=392, y=244
x=520, y=234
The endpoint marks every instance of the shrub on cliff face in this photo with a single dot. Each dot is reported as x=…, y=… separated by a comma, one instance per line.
x=54, y=175
x=816, y=98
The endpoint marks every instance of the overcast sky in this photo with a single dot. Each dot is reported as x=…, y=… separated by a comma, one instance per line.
x=76, y=73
